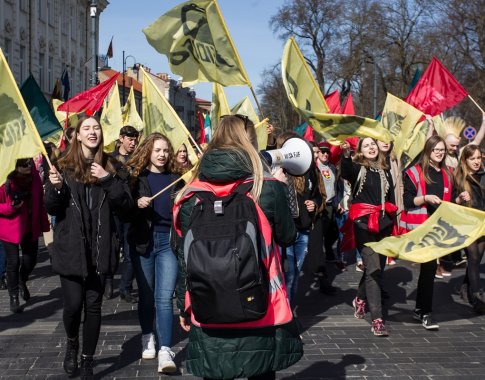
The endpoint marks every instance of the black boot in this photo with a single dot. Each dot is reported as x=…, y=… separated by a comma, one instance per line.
x=70, y=359
x=87, y=364
x=478, y=303
x=24, y=292
x=15, y=304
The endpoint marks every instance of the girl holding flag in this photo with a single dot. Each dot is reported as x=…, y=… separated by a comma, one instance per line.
x=83, y=196
x=371, y=218
x=152, y=169
x=470, y=180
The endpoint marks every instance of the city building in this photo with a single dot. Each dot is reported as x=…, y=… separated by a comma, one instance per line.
x=48, y=37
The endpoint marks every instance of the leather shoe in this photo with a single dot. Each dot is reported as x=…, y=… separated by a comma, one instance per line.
x=24, y=292
x=108, y=289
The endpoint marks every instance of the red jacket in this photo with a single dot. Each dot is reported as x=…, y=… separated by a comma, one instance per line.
x=15, y=223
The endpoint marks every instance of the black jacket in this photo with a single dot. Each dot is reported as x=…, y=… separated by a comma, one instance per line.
x=86, y=239
x=140, y=231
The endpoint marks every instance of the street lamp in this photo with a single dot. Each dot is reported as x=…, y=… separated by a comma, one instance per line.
x=93, y=10
x=124, y=71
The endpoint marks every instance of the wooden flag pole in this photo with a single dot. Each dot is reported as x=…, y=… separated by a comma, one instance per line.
x=166, y=188
x=473, y=100
x=257, y=102
x=195, y=144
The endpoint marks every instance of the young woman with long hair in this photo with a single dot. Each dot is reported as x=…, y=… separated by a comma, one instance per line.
x=426, y=185
x=182, y=162
x=371, y=218
x=225, y=353
x=22, y=220
x=155, y=265
x=83, y=195
x=470, y=191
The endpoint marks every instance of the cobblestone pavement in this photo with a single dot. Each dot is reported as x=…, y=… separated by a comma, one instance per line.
x=337, y=346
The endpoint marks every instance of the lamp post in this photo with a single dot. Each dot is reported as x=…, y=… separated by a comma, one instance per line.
x=124, y=72
x=93, y=10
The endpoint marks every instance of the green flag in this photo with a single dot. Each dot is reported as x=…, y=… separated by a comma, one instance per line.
x=44, y=118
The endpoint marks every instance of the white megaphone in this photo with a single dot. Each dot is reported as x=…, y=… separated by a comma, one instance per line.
x=295, y=156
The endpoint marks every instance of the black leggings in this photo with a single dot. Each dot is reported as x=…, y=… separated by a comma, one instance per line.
x=475, y=254
x=76, y=292
x=19, y=268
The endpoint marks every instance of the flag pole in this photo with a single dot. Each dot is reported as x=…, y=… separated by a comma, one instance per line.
x=166, y=188
x=474, y=102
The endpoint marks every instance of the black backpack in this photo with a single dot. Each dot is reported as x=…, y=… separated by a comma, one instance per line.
x=226, y=278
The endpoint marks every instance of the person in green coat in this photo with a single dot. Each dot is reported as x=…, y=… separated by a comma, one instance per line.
x=255, y=353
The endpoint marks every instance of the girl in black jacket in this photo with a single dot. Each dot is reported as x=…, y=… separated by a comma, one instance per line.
x=470, y=183
x=82, y=196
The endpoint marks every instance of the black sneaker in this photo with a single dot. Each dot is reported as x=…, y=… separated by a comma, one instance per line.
x=417, y=315
x=428, y=322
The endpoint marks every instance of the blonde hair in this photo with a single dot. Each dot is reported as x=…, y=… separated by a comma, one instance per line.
x=463, y=172
x=238, y=135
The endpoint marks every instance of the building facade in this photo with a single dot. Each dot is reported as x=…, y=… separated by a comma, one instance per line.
x=48, y=37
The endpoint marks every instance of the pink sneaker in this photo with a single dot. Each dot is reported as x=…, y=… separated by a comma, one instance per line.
x=359, y=308
x=378, y=327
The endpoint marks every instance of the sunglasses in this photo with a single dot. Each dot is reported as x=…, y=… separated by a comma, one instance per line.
x=243, y=118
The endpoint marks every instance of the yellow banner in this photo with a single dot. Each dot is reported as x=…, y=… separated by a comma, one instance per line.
x=399, y=118
x=262, y=134
x=194, y=37
x=159, y=116
x=130, y=114
x=19, y=137
x=219, y=106
x=449, y=229
x=111, y=119
x=61, y=115
x=414, y=144
x=244, y=107
x=305, y=96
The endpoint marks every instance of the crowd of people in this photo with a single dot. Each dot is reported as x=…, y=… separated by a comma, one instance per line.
x=103, y=207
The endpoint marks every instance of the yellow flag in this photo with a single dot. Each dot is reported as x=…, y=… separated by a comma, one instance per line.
x=449, y=229
x=159, y=116
x=244, y=107
x=399, y=118
x=19, y=137
x=306, y=97
x=61, y=115
x=262, y=134
x=130, y=114
x=111, y=119
x=194, y=37
x=414, y=144
x=219, y=106
x=56, y=138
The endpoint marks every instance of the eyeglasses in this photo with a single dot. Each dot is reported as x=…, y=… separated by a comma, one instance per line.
x=243, y=118
x=439, y=150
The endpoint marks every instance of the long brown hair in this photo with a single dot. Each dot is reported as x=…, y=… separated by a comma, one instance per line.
x=426, y=157
x=463, y=172
x=74, y=162
x=360, y=159
x=141, y=157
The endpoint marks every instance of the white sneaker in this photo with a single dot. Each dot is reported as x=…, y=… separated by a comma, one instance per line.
x=165, y=360
x=148, y=346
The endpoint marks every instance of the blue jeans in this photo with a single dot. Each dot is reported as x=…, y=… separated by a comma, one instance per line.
x=156, y=275
x=295, y=254
x=3, y=261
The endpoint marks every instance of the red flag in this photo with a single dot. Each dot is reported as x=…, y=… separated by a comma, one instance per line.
x=336, y=152
x=202, y=138
x=333, y=102
x=348, y=108
x=90, y=100
x=109, y=53
x=308, y=135
x=436, y=90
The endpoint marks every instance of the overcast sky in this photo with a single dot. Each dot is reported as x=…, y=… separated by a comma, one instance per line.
x=247, y=21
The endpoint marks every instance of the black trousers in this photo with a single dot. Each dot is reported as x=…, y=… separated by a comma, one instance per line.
x=475, y=254
x=19, y=268
x=76, y=293
x=370, y=284
x=424, y=294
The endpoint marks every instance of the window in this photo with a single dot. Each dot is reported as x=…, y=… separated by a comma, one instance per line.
x=22, y=63
x=23, y=5
x=50, y=12
x=41, y=71
x=82, y=28
x=50, y=72
x=41, y=10
x=81, y=80
x=64, y=17
x=73, y=23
